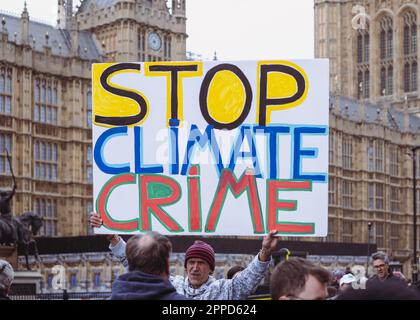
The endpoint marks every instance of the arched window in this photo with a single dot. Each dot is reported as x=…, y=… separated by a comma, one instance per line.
x=6, y=90
x=363, y=57
x=386, y=48
x=410, y=52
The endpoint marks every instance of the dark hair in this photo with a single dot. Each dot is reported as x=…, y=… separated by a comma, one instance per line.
x=234, y=270
x=148, y=253
x=289, y=277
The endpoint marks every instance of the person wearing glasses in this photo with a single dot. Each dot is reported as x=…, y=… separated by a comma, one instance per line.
x=380, y=264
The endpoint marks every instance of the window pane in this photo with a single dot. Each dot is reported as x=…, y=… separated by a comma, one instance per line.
x=54, y=172
x=390, y=43
x=42, y=113
x=43, y=95
x=49, y=96
x=382, y=44
x=9, y=85
x=2, y=83
x=406, y=40
x=49, y=115
x=54, y=99
x=414, y=38
x=2, y=103
x=414, y=77
x=54, y=115
x=42, y=151
x=36, y=114
x=54, y=152
x=37, y=92
x=42, y=171
x=406, y=78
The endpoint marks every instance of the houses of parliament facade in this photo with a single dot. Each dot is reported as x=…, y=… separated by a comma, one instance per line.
x=46, y=109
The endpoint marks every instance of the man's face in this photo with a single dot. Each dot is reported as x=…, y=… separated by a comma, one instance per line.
x=198, y=271
x=381, y=268
x=313, y=290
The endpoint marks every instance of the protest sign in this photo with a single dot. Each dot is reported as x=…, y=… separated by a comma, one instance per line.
x=211, y=148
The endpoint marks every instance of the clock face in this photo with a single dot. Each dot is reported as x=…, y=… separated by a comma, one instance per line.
x=154, y=41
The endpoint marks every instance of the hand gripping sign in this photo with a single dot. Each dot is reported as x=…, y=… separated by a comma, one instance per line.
x=222, y=148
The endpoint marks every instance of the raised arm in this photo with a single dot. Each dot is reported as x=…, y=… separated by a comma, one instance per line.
x=247, y=281
x=117, y=244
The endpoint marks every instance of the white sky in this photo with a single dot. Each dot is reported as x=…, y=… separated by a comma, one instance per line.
x=235, y=29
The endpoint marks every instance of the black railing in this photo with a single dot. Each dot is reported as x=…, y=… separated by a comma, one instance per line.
x=63, y=296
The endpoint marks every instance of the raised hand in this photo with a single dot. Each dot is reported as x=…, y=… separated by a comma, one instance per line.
x=269, y=245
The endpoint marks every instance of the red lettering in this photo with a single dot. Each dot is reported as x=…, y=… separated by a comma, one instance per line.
x=102, y=200
x=247, y=182
x=151, y=204
x=274, y=204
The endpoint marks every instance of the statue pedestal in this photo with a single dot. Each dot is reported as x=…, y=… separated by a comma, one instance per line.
x=9, y=254
x=26, y=283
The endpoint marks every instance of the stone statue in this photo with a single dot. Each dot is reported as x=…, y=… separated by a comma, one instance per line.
x=17, y=231
x=8, y=226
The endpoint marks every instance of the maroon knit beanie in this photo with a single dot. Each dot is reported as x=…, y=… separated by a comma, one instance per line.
x=200, y=250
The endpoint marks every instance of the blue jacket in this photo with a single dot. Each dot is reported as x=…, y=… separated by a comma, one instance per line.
x=137, y=285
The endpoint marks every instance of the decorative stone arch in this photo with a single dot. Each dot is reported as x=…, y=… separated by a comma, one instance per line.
x=407, y=24
x=407, y=7
x=383, y=12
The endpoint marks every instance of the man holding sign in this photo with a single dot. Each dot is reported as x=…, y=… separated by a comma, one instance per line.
x=231, y=149
x=199, y=265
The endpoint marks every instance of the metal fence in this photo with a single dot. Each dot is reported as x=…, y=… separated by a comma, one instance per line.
x=63, y=296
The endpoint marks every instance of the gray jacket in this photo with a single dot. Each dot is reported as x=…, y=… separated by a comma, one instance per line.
x=243, y=285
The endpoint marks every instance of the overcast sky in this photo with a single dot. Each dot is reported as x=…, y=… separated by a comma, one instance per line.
x=235, y=29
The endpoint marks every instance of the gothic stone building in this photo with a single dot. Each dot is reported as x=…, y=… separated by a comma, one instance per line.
x=45, y=116
x=373, y=49
x=375, y=107
x=46, y=101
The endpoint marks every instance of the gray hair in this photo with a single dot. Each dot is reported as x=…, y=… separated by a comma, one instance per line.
x=6, y=274
x=380, y=255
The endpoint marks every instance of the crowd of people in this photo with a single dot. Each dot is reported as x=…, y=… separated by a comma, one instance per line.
x=146, y=258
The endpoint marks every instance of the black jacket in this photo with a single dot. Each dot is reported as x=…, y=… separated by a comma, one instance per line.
x=137, y=285
x=375, y=279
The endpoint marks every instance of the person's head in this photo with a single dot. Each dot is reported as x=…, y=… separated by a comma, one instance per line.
x=6, y=277
x=298, y=278
x=199, y=263
x=233, y=271
x=346, y=281
x=380, y=263
x=149, y=253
